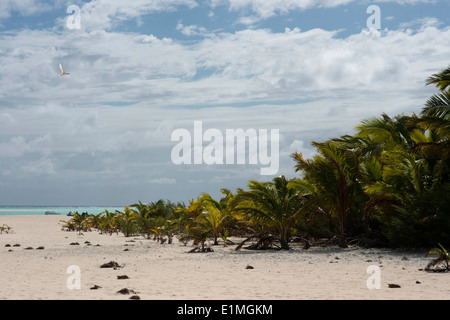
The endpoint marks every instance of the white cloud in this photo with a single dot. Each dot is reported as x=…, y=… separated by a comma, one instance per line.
x=191, y=30
x=23, y=7
x=422, y=23
x=17, y=146
x=268, y=8
x=44, y=166
x=248, y=20
x=164, y=181
x=264, y=9
x=254, y=66
x=249, y=65
x=196, y=181
x=104, y=14
x=410, y=1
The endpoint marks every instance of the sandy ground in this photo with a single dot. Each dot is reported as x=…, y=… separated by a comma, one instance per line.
x=167, y=272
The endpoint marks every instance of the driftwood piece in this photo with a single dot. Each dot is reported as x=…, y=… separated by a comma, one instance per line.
x=265, y=241
x=198, y=249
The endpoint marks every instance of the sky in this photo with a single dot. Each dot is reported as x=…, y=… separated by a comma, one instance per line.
x=141, y=71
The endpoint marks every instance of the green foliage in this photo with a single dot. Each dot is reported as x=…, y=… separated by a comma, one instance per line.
x=127, y=223
x=6, y=229
x=422, y=222
x=274, y=205
x=442, y=257
x=336, y=175
x=79, y=223
x=392, y=178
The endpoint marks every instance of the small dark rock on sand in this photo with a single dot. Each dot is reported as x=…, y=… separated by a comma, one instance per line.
x=135, y=297
x=249, y=267
x=123, y=277
x=393, y=285
x=126, y=291
x=74, y=244
x=95, y=287
x=40, y=248
x=111, y=264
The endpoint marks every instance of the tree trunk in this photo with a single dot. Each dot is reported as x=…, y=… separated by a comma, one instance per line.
x=284, y=239
x=343, y=241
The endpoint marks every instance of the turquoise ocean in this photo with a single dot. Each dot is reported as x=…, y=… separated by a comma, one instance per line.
x=12, y=210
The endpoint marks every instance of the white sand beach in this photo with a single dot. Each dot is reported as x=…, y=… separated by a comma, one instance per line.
x=167, y=272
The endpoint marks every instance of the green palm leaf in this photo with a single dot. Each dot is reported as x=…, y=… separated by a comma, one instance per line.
x=440, y=79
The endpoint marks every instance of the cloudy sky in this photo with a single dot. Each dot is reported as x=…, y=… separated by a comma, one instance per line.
x=139, y=70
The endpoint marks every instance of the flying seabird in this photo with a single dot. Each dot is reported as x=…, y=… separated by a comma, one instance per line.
x=62, y=70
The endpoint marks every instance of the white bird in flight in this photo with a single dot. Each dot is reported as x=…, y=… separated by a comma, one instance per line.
x=62, y=70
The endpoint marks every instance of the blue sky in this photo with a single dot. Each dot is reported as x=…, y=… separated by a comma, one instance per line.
x=140, y=70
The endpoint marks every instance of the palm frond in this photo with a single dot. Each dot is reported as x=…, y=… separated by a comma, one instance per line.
x=438, y=106
x=440, y=79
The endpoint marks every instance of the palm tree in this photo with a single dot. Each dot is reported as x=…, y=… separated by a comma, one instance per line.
x=205, y=217
x=441, y=79
x=272, y=206
x=216, y=214
x=199, y=232
x=108, y=222
x=160, y=218
x=335, y=174
x=126, y=221
x=186, y=215
x=397, y=167
x=435, y=116
x=5, y=228
x=442, y=256
x=387, y=132
x=409, y=172
x=95, y=220
x=140, y=208
x=80, y=222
